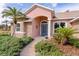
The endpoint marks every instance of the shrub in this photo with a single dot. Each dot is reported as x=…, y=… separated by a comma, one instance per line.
x=58, y=37
x=11, y=46
x=4, y=33
x=74, y=42
x=25, y=40
x=62, y=34
x=46, y=48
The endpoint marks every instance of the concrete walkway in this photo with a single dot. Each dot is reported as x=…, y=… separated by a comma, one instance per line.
x=29, y=50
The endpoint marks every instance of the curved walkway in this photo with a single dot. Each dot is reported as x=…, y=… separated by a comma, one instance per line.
x=29, y=50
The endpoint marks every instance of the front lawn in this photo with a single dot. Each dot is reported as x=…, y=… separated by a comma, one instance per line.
x=12, y=46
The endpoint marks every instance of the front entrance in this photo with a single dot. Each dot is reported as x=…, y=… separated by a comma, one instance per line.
x=44, y=28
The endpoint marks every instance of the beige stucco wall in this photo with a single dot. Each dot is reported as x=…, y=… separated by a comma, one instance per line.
x=62, y=20
x=75, y=26
x=25, y=29
x=21, y=32
x=36, y=25
x=35, y=22
x=28, y=28
x=33, y=28
x=39, y=12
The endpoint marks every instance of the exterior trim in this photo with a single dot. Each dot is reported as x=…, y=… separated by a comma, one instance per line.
x=20, y=27
x=20, y=32
x=59, y=22
x=37, y=5
x=74, y=19
x=40, y=25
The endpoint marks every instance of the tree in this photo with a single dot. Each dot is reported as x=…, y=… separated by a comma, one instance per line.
x=6, y=22
x=63, y=34
x=15, y=15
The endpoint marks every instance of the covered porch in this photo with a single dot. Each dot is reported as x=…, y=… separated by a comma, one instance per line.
x=41, y=26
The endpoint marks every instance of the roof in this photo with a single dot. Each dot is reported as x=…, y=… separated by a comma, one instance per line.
x=67, y=15
x=40, y=6
x=28, y=21
x=75, y=19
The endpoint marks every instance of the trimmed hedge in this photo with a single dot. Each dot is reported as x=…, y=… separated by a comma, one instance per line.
x=25, y=40
x=12, y=46
x=45, y=48
x=4, y=33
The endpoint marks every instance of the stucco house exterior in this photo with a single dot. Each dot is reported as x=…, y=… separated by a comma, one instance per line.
x=43, y=21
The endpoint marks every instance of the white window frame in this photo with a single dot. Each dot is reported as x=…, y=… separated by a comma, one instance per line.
x=59, y=25
x=18, y=27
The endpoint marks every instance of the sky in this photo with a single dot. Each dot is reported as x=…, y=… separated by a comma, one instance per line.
x=58, y=7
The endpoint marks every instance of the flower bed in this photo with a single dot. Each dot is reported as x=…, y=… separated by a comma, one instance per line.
x=74, y=42
x=45, y=48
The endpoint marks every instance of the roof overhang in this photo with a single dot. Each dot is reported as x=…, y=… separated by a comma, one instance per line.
x=75, y=19
x=40, y=6
x=28, y=21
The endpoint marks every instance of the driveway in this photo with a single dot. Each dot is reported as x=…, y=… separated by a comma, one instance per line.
x=29, y=50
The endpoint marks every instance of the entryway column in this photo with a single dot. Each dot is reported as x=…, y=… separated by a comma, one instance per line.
x=49, y=28
x=22, y=27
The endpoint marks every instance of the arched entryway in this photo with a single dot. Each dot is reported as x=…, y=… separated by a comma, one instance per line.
x=40, y=26
x=43, y=28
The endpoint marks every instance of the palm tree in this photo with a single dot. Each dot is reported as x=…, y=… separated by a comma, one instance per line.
x=62, y=35
x=15, y=15
x=6, y=22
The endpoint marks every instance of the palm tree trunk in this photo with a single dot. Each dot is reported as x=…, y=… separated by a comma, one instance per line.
x=65, y=41
x=6, y=26
x=14, y=26
x=13, y=29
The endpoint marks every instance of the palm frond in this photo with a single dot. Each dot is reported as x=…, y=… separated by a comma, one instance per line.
x=14, y=13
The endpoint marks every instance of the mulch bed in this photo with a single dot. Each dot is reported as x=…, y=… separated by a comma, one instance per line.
x=69, y=50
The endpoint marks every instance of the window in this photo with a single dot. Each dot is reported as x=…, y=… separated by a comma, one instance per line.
x=56, y=25
x=17, y=27
x=59, y=24
x=62, y=24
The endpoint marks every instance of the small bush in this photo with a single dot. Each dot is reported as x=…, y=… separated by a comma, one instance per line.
x=12, y=46
x=46, y=48
x=58, y=37
x=62, y=34
x=5, y=33
x=25, y=40
x=74, y=42
x=9, y=46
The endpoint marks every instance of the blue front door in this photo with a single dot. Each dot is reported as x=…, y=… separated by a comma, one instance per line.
x=44, y=29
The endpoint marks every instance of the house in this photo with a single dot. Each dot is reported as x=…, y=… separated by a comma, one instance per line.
x=43, y=21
